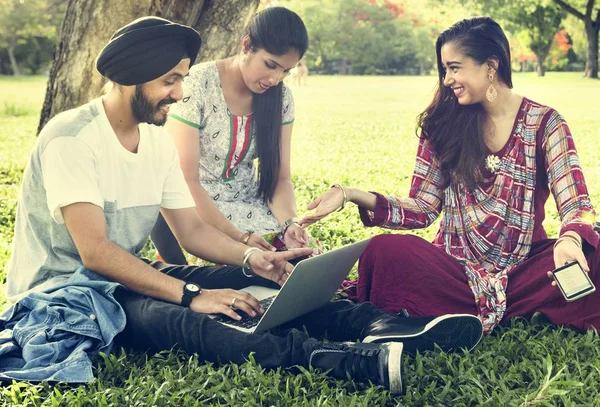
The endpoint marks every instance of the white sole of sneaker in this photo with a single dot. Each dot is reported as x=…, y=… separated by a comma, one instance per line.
x=395, y=368
x=451, y=331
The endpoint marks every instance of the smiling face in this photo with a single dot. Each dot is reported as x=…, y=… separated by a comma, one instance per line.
x=261, y=69
x=151, y=100
x=468, y=79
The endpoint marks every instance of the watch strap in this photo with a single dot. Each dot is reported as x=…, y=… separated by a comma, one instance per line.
x=188, y=296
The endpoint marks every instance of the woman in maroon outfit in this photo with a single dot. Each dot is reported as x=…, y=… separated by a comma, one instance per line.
x=487, y=162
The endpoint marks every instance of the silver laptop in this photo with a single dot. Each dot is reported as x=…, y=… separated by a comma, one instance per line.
x=311, y=285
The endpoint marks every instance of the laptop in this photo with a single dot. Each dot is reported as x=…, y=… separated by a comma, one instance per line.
x=311, y=284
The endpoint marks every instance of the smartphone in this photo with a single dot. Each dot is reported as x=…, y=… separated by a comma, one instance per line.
x=573, y=281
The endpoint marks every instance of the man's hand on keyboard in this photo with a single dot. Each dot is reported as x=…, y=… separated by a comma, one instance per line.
x=226, y=301
x=274, y=265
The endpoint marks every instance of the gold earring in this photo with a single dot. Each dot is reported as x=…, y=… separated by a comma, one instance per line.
x=491, y=94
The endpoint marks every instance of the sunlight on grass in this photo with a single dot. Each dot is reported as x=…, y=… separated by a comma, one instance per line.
x=356, y=131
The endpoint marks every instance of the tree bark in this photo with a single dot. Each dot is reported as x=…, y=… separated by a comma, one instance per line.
x=591, y=32
x=13, y=61
x=541, y=54
x=540, y=69
x=89, y=24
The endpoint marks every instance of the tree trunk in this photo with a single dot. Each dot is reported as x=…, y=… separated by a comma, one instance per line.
x=89, y=24
x=540, y=68
x=542, y=53
x=592, y=30
x=13, y=61
x=591, y=63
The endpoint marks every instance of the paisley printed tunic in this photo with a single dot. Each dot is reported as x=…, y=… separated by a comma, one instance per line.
x=228, y=165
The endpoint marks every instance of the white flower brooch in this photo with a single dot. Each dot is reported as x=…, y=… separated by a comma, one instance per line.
x=492, y=163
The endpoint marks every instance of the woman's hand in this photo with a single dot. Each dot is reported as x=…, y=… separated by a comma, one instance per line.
x=256, y=240
x=568, y=251
x=274, y=265
x=295, y=236
x=225, y=302
x=330, y=201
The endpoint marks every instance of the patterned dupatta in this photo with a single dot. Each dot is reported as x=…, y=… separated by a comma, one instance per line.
x=489, y=230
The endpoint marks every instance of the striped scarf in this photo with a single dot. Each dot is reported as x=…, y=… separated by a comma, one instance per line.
x=489, y=230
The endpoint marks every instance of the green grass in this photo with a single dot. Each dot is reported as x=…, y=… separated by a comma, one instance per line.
x=357, y=131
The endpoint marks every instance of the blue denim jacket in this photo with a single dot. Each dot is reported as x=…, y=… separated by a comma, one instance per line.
x=55, y=335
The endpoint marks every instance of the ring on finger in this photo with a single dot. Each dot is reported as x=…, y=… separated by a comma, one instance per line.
x=233, y=300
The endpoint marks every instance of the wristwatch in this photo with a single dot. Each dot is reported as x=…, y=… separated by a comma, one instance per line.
x=190, y=290
x=288, y=223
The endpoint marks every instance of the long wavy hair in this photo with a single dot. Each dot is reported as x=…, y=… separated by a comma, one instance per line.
x=277, y=30
x=454, y=131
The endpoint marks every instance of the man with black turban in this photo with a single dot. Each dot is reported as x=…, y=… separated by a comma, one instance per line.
x=96, y=180
x=142, y=51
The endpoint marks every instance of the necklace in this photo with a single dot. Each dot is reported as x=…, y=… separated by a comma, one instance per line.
x=492, y=163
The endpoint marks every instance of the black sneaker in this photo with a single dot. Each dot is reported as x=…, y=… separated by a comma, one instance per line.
x=378, y=363
x=450, y=332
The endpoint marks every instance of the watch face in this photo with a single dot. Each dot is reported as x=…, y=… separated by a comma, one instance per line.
x=192, y=287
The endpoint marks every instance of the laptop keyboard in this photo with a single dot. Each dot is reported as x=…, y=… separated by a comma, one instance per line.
x=246, y=321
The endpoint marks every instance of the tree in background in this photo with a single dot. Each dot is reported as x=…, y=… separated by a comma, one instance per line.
x=576, y=33
x=365, y=36
x=540, y=19
x=523, y=59
x=88, y=25
x=591, y=21
x=28, y=32
x=561, y=53
x=541, y=23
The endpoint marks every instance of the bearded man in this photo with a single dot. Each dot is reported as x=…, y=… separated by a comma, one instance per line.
x=92, y=191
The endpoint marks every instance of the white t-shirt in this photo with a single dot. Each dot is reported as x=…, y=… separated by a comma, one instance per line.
x=78, y=158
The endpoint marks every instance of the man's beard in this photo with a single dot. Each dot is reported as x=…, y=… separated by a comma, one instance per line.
x=144, y=111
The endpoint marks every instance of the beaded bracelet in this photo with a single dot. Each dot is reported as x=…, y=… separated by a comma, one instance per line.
x=245, y=265
x=343, y=193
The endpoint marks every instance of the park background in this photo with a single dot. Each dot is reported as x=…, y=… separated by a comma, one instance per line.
x=371, y=72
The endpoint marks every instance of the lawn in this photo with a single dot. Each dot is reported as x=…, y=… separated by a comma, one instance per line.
x=356, y=131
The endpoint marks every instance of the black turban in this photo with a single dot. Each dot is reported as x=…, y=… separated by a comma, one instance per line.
x=146, y=49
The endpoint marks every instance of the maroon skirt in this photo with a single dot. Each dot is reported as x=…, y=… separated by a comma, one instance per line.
x=407, y=272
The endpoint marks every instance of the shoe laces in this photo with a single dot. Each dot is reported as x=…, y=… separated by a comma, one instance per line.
x=363, y=363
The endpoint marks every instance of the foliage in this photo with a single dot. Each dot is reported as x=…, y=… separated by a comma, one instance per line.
x=561, y=52
x=539, y=19
x=541, y=22
x=588, y=12
x=574, y=28
x=28, y=29
x=357, y=131
x=346, y=36
x=360, y=36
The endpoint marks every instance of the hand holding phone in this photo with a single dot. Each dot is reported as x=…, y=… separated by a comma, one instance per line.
x=573, y=281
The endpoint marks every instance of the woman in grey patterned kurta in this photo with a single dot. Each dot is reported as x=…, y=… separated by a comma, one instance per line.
x=236, y=113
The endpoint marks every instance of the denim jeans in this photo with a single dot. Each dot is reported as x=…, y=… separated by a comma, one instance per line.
x=157, y=325
x=55, y=335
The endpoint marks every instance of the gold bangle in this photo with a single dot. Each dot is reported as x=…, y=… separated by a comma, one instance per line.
x=567, y=237
x=343, y=194
x=246, y=236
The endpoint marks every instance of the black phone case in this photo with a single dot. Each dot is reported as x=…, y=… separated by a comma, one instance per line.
x=579, y=294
